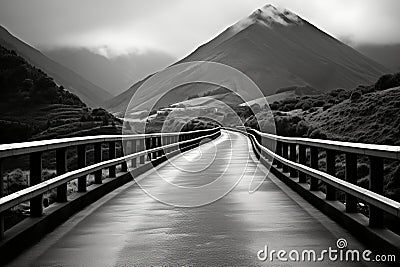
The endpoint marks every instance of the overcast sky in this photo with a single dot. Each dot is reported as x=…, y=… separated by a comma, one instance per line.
x=177, y=27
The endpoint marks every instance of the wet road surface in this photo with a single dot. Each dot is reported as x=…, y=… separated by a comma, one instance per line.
x=130, y=228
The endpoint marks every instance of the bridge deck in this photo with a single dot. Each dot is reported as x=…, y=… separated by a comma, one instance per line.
x=127, y=227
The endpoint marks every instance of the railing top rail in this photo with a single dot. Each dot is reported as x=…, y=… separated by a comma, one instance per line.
x=26, y=194
x=15, y=149
x=383, y=151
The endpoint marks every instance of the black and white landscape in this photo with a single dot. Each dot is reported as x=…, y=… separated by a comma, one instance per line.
x=211, y=133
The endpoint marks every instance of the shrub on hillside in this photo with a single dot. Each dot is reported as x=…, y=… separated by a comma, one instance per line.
x=288, y=107
x=255, y=108
x=267, y=126
x=15, y=180
x=105, y=121
x=317, y=134
x=365, y=89
x=274, y=106
x=356, y=95
x=252, y=122
x=199, y=123
x=318, y=103
x=243, y=112
x=286, y=125
x=387, y=81
x=99, y=112
x=302, y=128
x=336, y=92
x=306, y=106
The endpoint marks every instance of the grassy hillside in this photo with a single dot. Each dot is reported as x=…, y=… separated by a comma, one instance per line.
x=366, y=114
x=371, y=118
x=33, y=106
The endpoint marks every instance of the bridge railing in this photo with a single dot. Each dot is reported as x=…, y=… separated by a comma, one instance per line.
x=138, y=150
x=289, y=154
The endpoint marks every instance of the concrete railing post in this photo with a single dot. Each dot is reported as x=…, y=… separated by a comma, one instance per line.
x=148, y=146
x=314, y=165
x=376, y=215
x=133, y=151
x=124, y=151
x=303, y=161
x=293, y=156
x=35, y=172
x=141, y=148
x=160, y=144
x=170, y=141
x=351, y=177
x=111, y=155
x=154, y=145
x=82, y=164
x=61, y=168
x=330, y=169
x=285, y=151
x=179, y=139
x=97, y=159
x=164, y=143
x=279, y=153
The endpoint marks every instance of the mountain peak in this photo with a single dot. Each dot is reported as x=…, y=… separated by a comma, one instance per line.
x=268, y=16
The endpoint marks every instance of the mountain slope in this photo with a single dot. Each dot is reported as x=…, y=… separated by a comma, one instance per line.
x=32, y=106
x=91, y=94
x=115, y=74
x=388, y=55
x=276, y=49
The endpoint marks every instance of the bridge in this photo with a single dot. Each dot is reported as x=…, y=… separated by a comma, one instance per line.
x=278, y=198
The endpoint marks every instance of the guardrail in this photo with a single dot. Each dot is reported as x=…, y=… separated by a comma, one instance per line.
x=289, y=154
x=139, y=149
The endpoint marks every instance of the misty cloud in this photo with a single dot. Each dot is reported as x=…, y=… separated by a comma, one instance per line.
x=177, y=27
